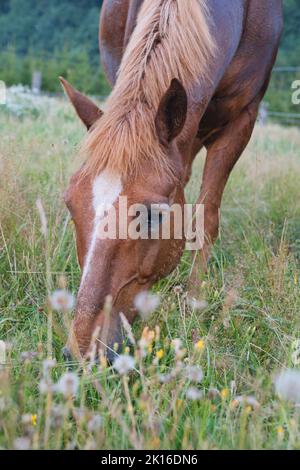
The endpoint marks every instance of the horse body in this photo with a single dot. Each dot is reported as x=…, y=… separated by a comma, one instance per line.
x=218, y=111
x=246, y=33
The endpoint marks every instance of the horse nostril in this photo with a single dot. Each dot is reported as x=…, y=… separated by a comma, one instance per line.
x=66, y=354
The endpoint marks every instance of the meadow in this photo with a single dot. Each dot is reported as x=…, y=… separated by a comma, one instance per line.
x=202, y=379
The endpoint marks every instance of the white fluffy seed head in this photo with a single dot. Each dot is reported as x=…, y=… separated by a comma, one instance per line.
x=95, y=423
x=146, y=303
x=177, y=344
x=124, y=364
x=194, y=394
x=194, y=374
x=62, y=301
x=68, y=384
x=48, y=365
x=46, y=386
x=22, y=443
x=287, y=385
x=195, y=304
x=248, y=400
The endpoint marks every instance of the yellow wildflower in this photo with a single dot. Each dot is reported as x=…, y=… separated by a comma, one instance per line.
x=33, y=420
x=200, y=345
x=280, y=433
x=224, y=393
x=160, y=354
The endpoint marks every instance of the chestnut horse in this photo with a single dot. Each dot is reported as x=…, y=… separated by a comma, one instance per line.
x=186, y=74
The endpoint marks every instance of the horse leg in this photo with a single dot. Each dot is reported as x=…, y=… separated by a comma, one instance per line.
x=223, y=151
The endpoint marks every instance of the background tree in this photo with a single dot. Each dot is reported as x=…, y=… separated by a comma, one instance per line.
x=60, y=37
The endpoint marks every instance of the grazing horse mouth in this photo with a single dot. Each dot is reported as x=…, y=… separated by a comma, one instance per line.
x=110, y=326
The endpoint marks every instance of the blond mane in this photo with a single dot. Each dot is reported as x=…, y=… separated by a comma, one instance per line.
x=171, y=40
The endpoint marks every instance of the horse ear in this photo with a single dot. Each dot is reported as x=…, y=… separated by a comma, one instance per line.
x=172, y=113
x=85, y=108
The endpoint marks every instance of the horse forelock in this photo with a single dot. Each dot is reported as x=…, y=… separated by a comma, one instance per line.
x=172, y=39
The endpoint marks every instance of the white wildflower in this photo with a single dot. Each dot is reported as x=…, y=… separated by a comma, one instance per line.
x=178, y=290
x=287, y=385
x=62, y=301
x=95, y=423
x=22, y=443
x=194, y=394
x=48, y=364
x=57, y=416
x=165, y=378
x=124, y=364
x=26, y=419
x=247, y=400
x=146, y=303
x=195, y=304
x=68, y=384
x=71, y=445
x=28, y=356
x=177, y=344
x=194, y=374
x=46, y=386
x=251, y=401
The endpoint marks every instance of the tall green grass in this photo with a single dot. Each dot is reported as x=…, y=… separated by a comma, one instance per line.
x=246, y=333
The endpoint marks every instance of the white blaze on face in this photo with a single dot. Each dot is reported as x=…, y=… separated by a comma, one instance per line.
x=106, y=189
